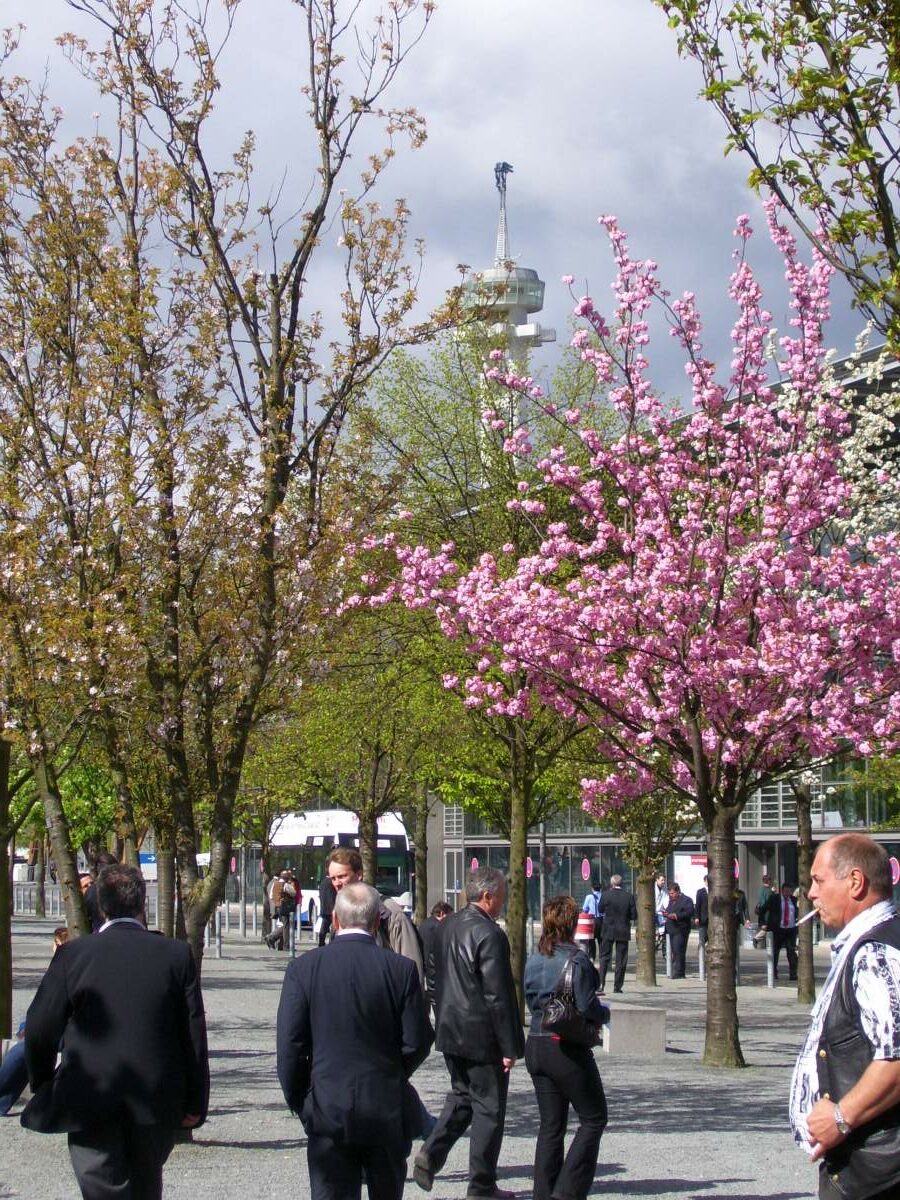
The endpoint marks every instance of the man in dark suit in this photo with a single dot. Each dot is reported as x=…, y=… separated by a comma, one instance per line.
x=127, y=1008
x=429, y=932
x=679, y=913
x=781, y=918
x=701, y=912
x=352, y=1029
x=619, y=911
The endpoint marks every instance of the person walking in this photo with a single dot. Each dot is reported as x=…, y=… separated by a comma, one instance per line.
x=781, y=918
x=351, y=1030
x=845, y=1091
x=127, y=1008
x=564, y=1075
x=479, y=1033
x=619, y=910
x=429, y=932
x=593, y=906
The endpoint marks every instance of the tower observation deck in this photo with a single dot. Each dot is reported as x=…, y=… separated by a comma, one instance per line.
x=511, y=294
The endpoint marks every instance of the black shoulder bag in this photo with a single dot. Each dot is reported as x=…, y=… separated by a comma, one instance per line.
x=563, y=1019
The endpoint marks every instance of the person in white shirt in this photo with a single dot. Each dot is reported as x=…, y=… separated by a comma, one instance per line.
x=845, y=1090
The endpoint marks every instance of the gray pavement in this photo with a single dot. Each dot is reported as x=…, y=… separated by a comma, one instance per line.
x=677, y=1130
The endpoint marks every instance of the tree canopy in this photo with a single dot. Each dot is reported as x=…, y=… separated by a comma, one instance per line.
x=809, y=92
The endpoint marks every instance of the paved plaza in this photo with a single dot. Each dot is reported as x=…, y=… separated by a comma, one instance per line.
x=677, y=1130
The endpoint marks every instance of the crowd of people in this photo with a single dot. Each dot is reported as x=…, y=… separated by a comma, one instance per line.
x=120, y=1070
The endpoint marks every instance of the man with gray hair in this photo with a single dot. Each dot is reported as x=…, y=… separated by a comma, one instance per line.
x=479, y=1030
x=352, y=1028
x=618, y=912
x=845, y=1091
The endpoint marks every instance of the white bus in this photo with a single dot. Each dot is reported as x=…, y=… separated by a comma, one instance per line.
x=303, y=840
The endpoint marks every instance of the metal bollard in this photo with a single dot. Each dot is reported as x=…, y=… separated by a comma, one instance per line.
x=668, y=956
x=292, y=935
x=227, y=915
x=770, y=959
x=254, y=917
x=206, y=935
x=701, y=960
x=218, y=933
x=242, y=913
x=737, y=959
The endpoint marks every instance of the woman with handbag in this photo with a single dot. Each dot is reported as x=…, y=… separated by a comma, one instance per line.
x=560, y=991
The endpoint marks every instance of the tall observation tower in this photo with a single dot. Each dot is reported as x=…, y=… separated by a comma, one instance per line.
x=513, y=294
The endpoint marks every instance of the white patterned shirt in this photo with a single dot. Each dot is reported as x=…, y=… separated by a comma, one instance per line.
x=876, y=985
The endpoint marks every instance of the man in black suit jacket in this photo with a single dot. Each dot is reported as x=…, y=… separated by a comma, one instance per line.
x=352, y=1028
x=679, y=914
x=781, y=918
x=429, y=932
x=701, y=912
x=127, y=1008
x=619, y=911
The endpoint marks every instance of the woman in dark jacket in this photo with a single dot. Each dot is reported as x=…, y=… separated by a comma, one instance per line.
x=563, y=1073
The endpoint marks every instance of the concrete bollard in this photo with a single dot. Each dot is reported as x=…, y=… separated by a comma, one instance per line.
x=635, y=1032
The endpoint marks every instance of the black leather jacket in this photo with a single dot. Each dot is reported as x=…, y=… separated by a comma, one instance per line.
x=868, y=1162
x=477, y=1013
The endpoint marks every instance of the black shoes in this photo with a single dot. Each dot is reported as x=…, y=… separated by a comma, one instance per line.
x=498, y=1193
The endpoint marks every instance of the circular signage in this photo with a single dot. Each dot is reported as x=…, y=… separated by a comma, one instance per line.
x=585, y=869
x=895, y=871
x=737, y=869
x=529, y=867
x=474, y=865
x=233, y=864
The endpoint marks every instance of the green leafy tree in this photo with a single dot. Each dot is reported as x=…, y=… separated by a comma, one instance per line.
x=455, y=484
x=808, y=91
x=650, y=827
x=195, y=416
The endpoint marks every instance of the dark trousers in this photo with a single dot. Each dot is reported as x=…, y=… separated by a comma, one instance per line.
x=565, y=1075
x=678, y=938
x=120, y=1160
x=336, y=1170
x=477, y=1098
x=606, y=949
x=788, y=939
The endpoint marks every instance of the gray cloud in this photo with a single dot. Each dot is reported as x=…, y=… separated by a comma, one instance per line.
x=587, y=99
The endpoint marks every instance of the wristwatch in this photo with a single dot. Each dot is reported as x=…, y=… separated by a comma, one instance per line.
x=842, y=1125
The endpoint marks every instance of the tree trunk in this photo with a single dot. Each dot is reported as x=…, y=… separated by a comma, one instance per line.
x=516, y=906
x=368, y=845
x=420, y=835
x=180, y=927
x=6, y=837
x=723, y=1047
x=646, y=928
x=806, y=974
x=61, y=848
x=165, y=887
x=40, y=876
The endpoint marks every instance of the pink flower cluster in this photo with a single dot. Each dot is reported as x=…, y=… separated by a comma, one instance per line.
x=693, y=608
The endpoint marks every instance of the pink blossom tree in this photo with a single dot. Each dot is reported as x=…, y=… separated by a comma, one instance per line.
x=693, y=608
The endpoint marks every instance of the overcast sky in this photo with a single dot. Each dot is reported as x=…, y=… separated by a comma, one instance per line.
x=586, y=98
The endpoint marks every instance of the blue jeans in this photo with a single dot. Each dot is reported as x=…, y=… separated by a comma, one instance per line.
x=13, y=1077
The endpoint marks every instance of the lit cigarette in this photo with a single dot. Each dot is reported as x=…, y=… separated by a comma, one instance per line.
x=814, y=912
